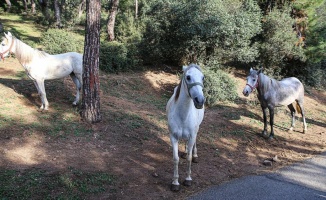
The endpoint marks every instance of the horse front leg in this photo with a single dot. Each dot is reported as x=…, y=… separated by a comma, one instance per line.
x=191, y=143
x=194, y=155
x=175, y=186
x=271, y=115
x=41, y=89
x=264, y=133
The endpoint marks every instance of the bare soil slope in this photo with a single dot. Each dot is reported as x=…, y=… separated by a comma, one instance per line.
x=132, y=141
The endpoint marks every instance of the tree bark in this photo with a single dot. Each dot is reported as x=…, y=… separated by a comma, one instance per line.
x=9, y=5
x=111, y=20
x=91, y=82
x=136, y=9
x=57, y=13
x=81, y=8
x=33, y=6
x=45, y=8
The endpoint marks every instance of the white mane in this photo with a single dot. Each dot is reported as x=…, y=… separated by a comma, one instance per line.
x=25, y=53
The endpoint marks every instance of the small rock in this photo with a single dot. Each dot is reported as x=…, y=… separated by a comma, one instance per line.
x=275, y=159
x=155, y=174
x=267, y=163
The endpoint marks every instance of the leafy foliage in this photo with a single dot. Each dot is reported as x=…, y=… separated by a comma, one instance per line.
x=57, y=41
x=218, y=87
x=189, y=31
x=117, y=57
x=278, y=44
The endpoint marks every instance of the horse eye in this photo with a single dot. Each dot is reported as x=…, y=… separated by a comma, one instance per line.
x=188, y=78
x=3, y=44
x=254, y=80
x=203, y=78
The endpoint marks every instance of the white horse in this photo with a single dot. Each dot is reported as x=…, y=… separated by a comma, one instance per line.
x=41, y=66
x=185, y=112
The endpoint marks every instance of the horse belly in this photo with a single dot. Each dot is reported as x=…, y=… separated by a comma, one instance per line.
x=286, y=101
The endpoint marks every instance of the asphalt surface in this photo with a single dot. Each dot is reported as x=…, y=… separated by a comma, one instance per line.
x=305, y=180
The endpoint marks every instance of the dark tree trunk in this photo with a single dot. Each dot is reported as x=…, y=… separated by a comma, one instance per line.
x=25, y=5
x=57, y=13
x=111, y=19
x=45, y=8
x=91, y=82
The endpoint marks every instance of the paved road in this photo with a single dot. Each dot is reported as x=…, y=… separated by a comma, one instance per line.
x=305, y=180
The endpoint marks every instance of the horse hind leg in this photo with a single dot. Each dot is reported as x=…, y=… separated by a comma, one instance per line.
x=78, y=87
x=292, y=110
x=301, y=110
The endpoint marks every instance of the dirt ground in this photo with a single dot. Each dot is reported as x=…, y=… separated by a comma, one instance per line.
x=132, y=140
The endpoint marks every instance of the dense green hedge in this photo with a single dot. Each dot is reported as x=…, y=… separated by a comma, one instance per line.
x=118, y=57
x=219, y=87
x=55, y=41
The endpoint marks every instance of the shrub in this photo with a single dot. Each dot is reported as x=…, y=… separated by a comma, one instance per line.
x=117, y=57
x=191, y=31
x=57, y=41
x=218, y=87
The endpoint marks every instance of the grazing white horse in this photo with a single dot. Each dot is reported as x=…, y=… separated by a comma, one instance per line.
x=41, y=66
x=185, y=112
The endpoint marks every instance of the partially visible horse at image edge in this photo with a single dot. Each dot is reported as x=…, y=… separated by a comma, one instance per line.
x=273, y=93
x=41, y=66
x=185, y=112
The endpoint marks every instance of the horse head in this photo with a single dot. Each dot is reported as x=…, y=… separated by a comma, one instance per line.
x=252, y=81
x=194, y=81
x=6, y=45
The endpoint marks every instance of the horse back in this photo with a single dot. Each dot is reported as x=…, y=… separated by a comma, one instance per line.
x=285, y=92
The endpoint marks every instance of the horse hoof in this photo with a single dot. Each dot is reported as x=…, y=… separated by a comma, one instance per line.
x=183, y=155
x=195, y=159
x=187, y=183
x=304, y=131
x=175, y=188
x=291, y=129
x=270, y=138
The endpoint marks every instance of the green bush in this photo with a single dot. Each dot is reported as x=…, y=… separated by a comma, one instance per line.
x=57, y=41
x=218, y=87
x=118, y=57
x=190, y=31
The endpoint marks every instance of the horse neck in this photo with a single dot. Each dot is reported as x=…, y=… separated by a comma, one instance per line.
x=22, y=51
x=264, y=83
x=184, y=101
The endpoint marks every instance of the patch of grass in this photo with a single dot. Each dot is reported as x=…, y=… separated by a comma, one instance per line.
x=40, y=184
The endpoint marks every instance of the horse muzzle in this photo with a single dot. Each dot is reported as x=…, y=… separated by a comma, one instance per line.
x=199, y=102
x=245, y=92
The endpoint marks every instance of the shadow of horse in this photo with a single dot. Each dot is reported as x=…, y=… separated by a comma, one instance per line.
x=54, y=88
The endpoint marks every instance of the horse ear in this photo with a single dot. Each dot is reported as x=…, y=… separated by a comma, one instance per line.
x=251, y=69
x=260, y=70
x=8, y=35
x=184, y=67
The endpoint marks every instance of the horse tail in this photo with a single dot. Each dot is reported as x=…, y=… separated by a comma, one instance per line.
x=298, y=108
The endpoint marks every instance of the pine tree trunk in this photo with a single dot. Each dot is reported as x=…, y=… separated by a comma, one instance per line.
x=57, y=13
x=111, y=20
x=91, y=82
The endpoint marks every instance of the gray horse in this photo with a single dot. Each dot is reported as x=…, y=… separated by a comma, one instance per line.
x=273, y=93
